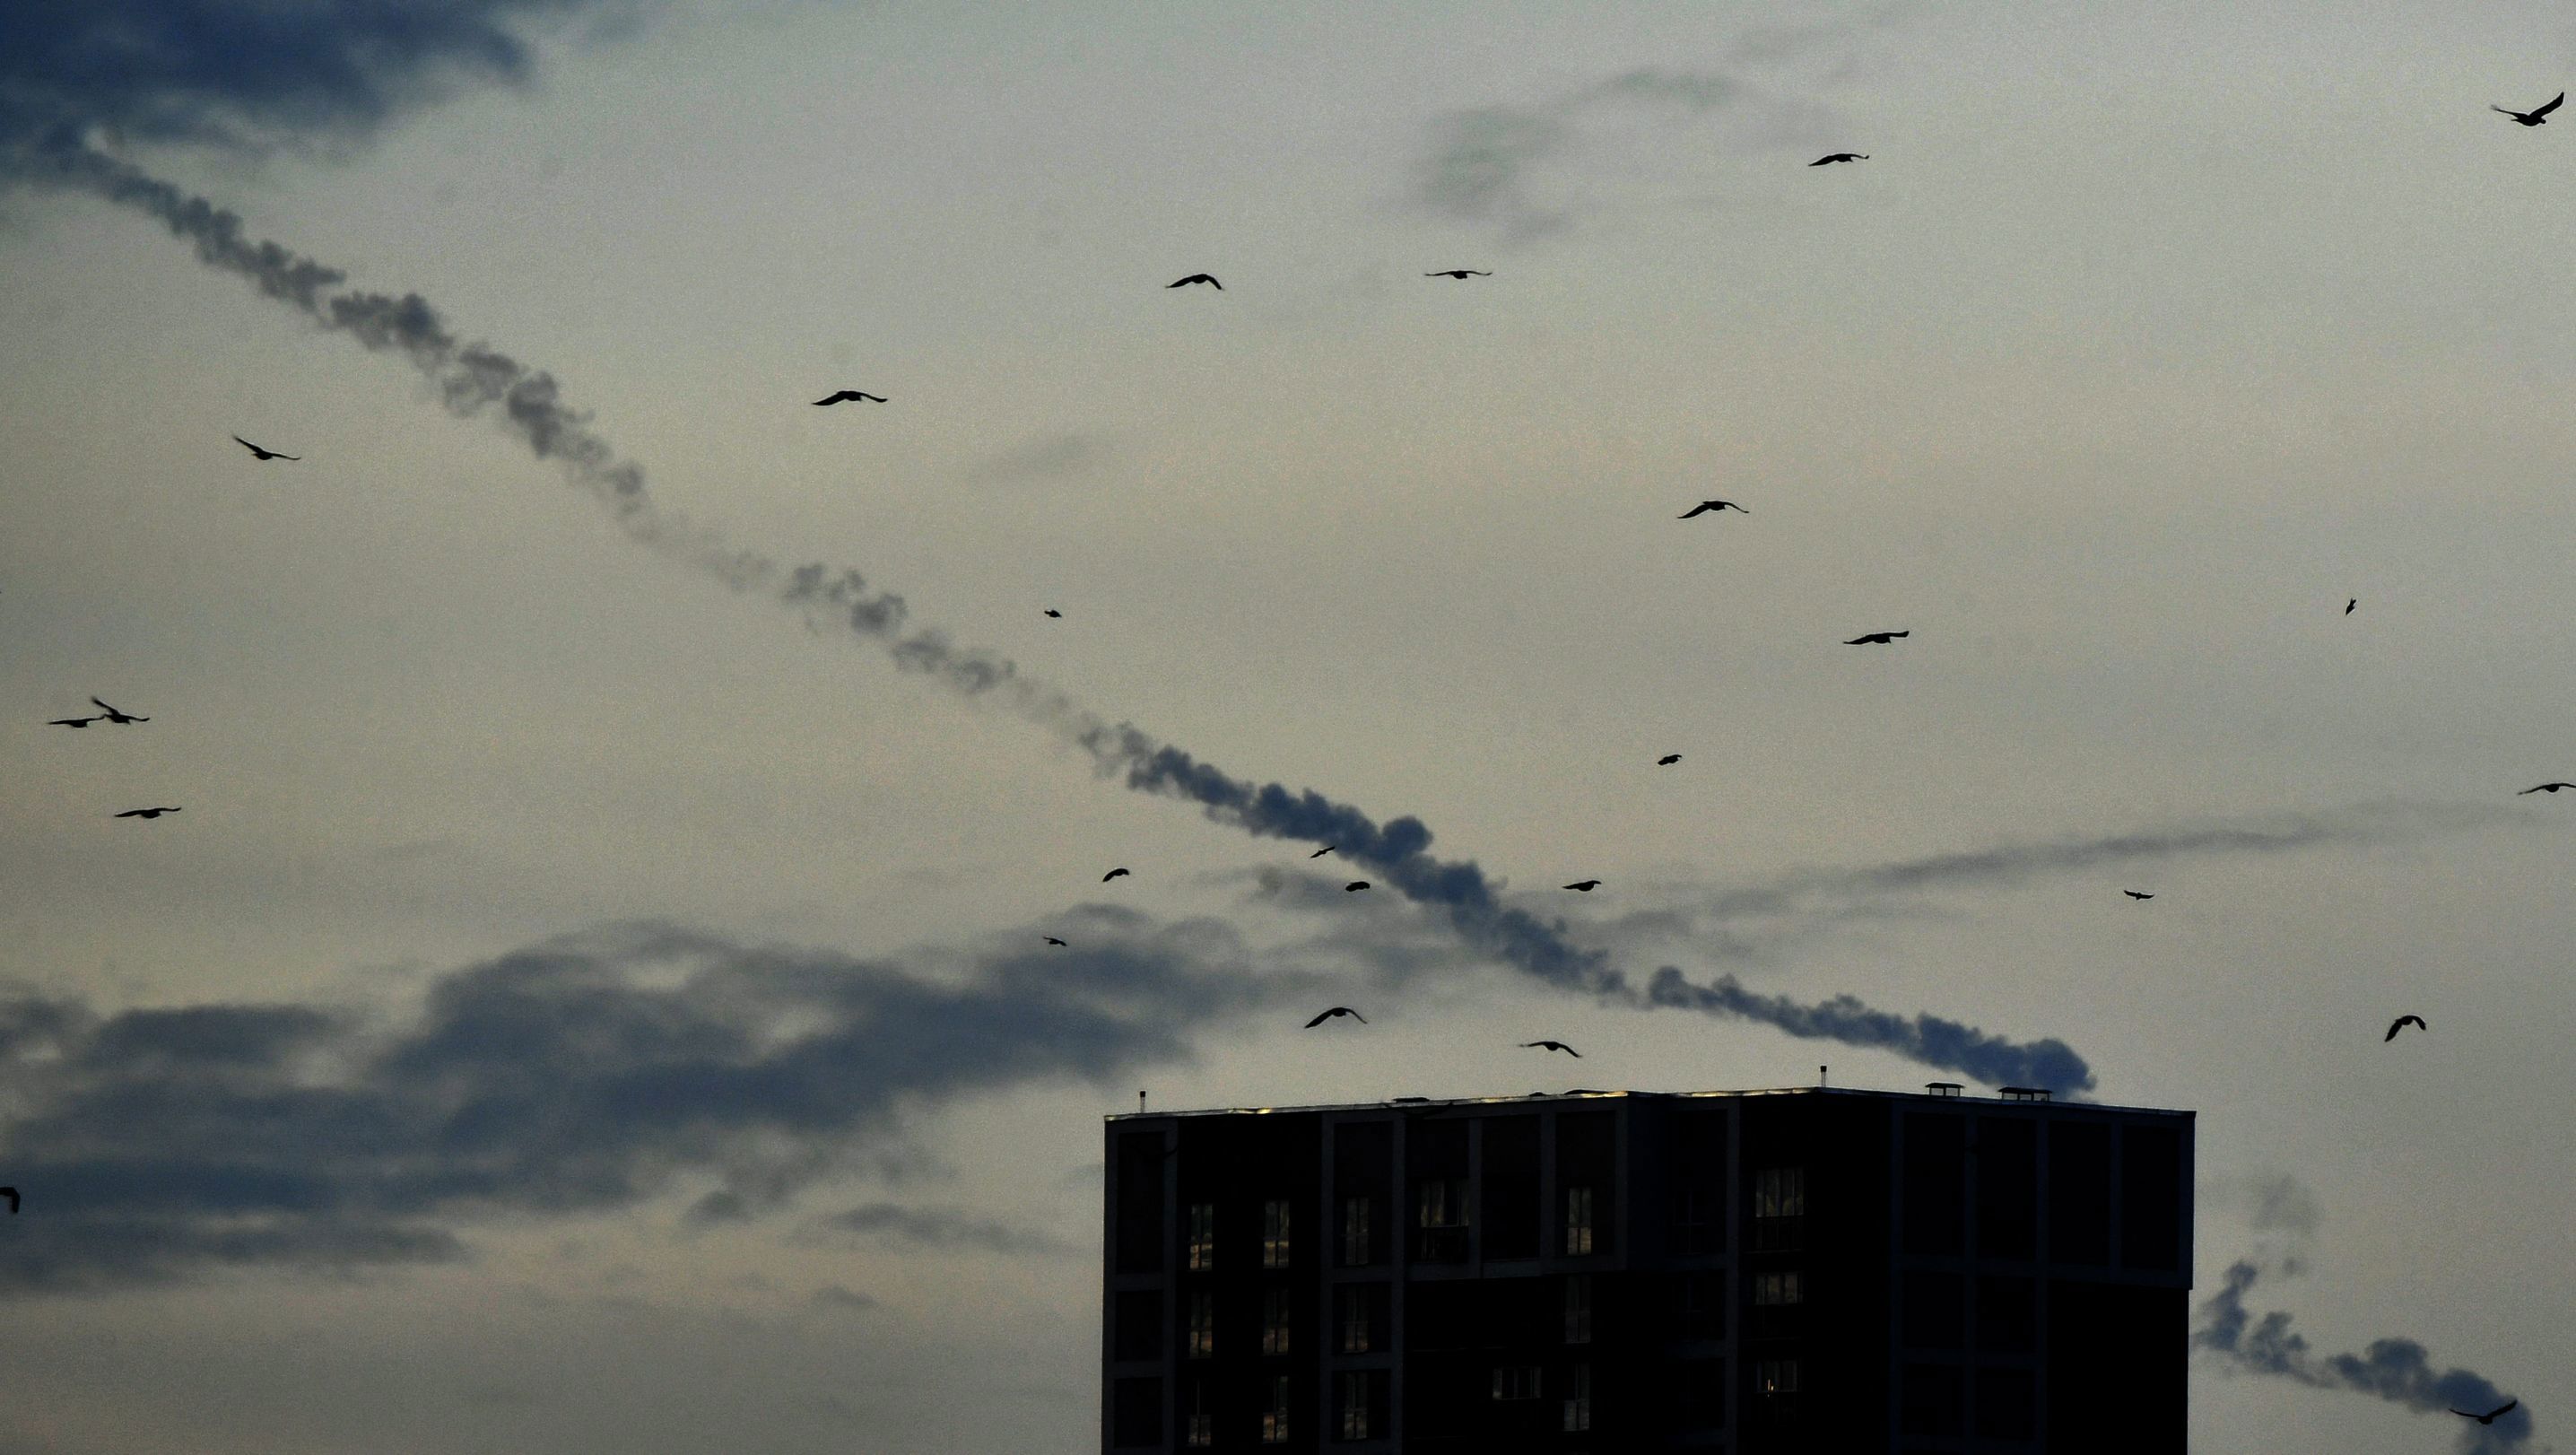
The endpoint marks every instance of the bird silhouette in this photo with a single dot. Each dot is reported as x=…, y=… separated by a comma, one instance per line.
x=2137, y=894
x=2350, y=604
x=1051, y=611
x=1552, y=1046
x=1337, y=1010
x=1458, y=273
x=1667, y=760
x=1839, y=157
x=1875, y=638
x=115, y=716
x=259, y=454
x=851, y=394
x=2489, y=1417
x=73, y=721
x=1355, y=886
x=2400, y=1024
x=2545, y=788
x=11, y=1193
x=1707, y=507
x=1319, y=853
x=1197, y=278
x=1052, y=940
x=2537, y=116
x=1112, y=874
x=145, y=812
x=1584, y=886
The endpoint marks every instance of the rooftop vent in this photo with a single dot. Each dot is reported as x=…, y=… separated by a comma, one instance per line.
x=2024, y=1093
x=1942, y=1088
x=1413, y=1098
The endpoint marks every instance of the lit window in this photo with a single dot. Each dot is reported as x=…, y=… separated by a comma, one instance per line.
x=1578, y=1221
x=1355, y=1404
x=1354, y=1320
x=1274, y=1415
x=1772, y=1289
x=1578, y=1309
x=1274, y=1321
x=1274, y=1235
x=1773, y=1378
x=1515, y=1381
x=1444, y=1203
x=1578, y=1397
x=1780, y=1192
x=1355, y=1232
x=1202, y=1237
x=1202, y=1427
x=1202, y=1325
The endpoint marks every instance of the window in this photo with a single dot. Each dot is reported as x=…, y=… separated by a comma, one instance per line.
x=1779, y=1206
x=1202, y=1343
x=1274, y=1234
x=1201, y=1427
x=1202, y=1237
x=1274, y=1320
x=1774, y=1289
x=1578, y=1397
x=1443, y=1220
x=1696, y=1303
x=1578, y=1221
x=1776, y=1297
x=1578, y=1310
x=1695, y=1220
x=1354, y=1404
x=1355, y=1232
x=1136, y=1412
x=1274, y=1412
x=1137, y=1328
x=1354, y=1318
x=1775, y=1394
x=1515, y=1381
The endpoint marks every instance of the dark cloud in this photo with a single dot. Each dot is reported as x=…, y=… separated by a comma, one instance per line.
x=1930, y=1039
x=1051, y=457
x=260, y=72
x=833, y=1298
x=943, y=1228
x=577, y=1076
x=2397, y=1370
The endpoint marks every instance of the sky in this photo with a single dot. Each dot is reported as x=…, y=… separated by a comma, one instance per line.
x=594, y=997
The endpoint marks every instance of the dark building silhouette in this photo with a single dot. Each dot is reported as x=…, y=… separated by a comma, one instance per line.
x=1806, y=1270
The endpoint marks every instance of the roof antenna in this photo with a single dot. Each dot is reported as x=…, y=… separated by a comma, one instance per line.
x=1820, y=1076
x=1140, y=1103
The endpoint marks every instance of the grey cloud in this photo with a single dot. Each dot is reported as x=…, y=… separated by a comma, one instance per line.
x=255, y=72
x=1059, y=456
x=833, y=1298
x=943, y=1228
x=580, y=1075
x=2399, y=1371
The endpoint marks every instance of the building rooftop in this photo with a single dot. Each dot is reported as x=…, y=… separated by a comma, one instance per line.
x=1947, y=1092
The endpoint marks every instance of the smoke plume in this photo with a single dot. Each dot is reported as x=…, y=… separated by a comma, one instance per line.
x=474, y=379
x=2396, y=1370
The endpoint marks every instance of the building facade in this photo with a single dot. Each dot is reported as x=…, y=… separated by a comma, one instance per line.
x=1770, y=1271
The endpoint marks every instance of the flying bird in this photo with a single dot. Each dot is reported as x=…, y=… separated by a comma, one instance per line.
x=1707, y=506
x=11, y=1193
x=1052, y=940
x=1319, y=853
x=2400, y=1024
x=1876, y=638
x=1668, y=760
x=145, y=812
x=1355, y=886
x=1584, y=886
x=1197, y=278
x=115, y=716
x=2545, y=788
x=73, y=721
x=2489, y=1417
x=1458, y=273
x=1112, y=874
x=259, y=454
x=851, y=394
x=1051, y=611
x=2537, y=116
x=2136, y=894
x=2349, y=605
x=1552, y=1046
x=1337, y=1010
x=1839, y=157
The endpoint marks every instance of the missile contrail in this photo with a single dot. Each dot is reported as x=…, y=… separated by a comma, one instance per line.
x=475, y=379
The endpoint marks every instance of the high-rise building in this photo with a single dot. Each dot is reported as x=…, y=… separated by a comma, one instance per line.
x=1804, y=1270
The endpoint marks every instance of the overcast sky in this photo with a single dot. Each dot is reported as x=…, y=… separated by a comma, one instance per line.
x=592, y=998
